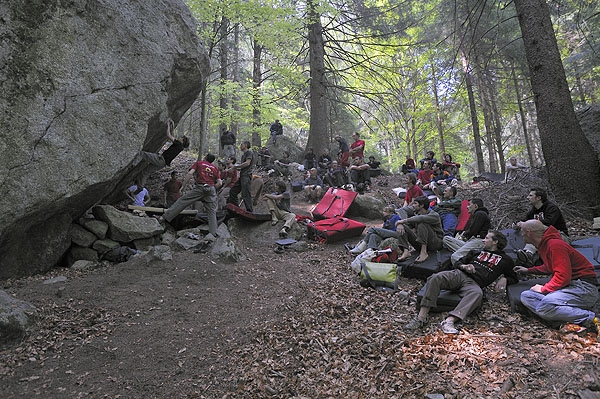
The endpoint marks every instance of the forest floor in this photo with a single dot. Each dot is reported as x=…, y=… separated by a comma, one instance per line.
x=291, y=325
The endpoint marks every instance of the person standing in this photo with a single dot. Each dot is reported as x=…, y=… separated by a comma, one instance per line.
x=242, y=185
x=227, y=140
x=470, y=276
x=207, y=180
x=572, y=291
x=172, y=190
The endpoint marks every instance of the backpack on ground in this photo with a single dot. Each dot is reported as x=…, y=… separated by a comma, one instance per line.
x=379, y=276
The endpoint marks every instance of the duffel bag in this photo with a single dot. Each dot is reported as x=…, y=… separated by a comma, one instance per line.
x=380, y=276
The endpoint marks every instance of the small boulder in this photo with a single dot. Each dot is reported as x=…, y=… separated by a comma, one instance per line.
x=15, y=317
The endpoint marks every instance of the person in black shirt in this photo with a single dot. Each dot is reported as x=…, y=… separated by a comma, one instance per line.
x=158, y=161
x=470, y=276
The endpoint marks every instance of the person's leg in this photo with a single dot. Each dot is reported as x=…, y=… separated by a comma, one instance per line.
x=235, y=190
x=210, y=204
x=405, y=212
x=472, y=244
x=273, y=210
x=183, y=202
x=471, y=296
x=452, y=244
x=570, y=304
x=428, y=239
x=246, y=181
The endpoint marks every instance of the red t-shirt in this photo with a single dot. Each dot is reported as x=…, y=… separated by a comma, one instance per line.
x=359, y=153
x=172, y=188
x=206, y=173
x=425, y=176
x=230, y=173
x=412, y=193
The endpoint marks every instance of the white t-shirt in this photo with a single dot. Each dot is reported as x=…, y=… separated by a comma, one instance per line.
x=139, y=198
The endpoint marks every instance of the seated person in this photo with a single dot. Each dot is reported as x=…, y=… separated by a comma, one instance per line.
x=412, y=192
x=429, y=157
x=264, y=158
x=409, y=166
x=469, y=277
x=572, y=292
x=282, y=165
x=546, y=212
x=313, y=186
x=451, y=167
x=476, y=229
x=335, y=175
x=448, y=207
x=375, y=235
x=310, y=159
x=513, y=168
x=172, y=190
x=137, y=196
x=323, y=162
x=359, y=172
x=279, y=208
x=440, y=179
x=423, y=231
x=424, y=176
x=373, y=164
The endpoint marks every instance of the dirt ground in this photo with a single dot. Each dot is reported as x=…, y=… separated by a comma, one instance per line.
x=291, y=325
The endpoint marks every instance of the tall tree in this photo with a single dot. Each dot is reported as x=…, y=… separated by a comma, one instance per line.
x=564, y=145
x=318, y=87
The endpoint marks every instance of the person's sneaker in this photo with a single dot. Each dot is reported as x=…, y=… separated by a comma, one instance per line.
x=359, y=248
x=283, y=233
x=448, y=327
x=572, y=328
x=525, y=257
x=274, y=222
x=416, y=324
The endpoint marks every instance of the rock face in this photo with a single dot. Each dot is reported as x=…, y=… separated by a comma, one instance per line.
x=85, y=86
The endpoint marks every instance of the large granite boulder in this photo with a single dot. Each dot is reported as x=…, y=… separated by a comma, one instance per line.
x=85, y=86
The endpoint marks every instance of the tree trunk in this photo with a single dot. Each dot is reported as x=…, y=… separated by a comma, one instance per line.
x=474, y=119
x=223, y=60
x=565, y=147
x=317, y=137
x=235, y=71
x=438, y=111
x=256, y=97
x=522, y=116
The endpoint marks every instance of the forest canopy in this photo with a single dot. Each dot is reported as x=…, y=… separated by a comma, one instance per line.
x=410, y=76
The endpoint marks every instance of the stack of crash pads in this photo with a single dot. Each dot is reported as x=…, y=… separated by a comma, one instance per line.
x=330, y=225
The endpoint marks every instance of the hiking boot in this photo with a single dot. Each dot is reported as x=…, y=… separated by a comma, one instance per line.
x=448, y=327
x=359, y=248
x=416, y=324
x=274, y=222
x=525, y=257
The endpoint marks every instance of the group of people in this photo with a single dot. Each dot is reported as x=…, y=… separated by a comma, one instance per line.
x=479, y=259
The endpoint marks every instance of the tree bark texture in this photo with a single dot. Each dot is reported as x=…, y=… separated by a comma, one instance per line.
x=566, y=149
x=318, y=88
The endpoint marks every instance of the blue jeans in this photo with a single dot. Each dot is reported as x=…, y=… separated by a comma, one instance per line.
x=570, y=304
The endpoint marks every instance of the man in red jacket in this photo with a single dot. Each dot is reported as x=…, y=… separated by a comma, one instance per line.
x=572, y=291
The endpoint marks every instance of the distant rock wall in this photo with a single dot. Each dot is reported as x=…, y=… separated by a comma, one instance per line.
x=84, y=86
